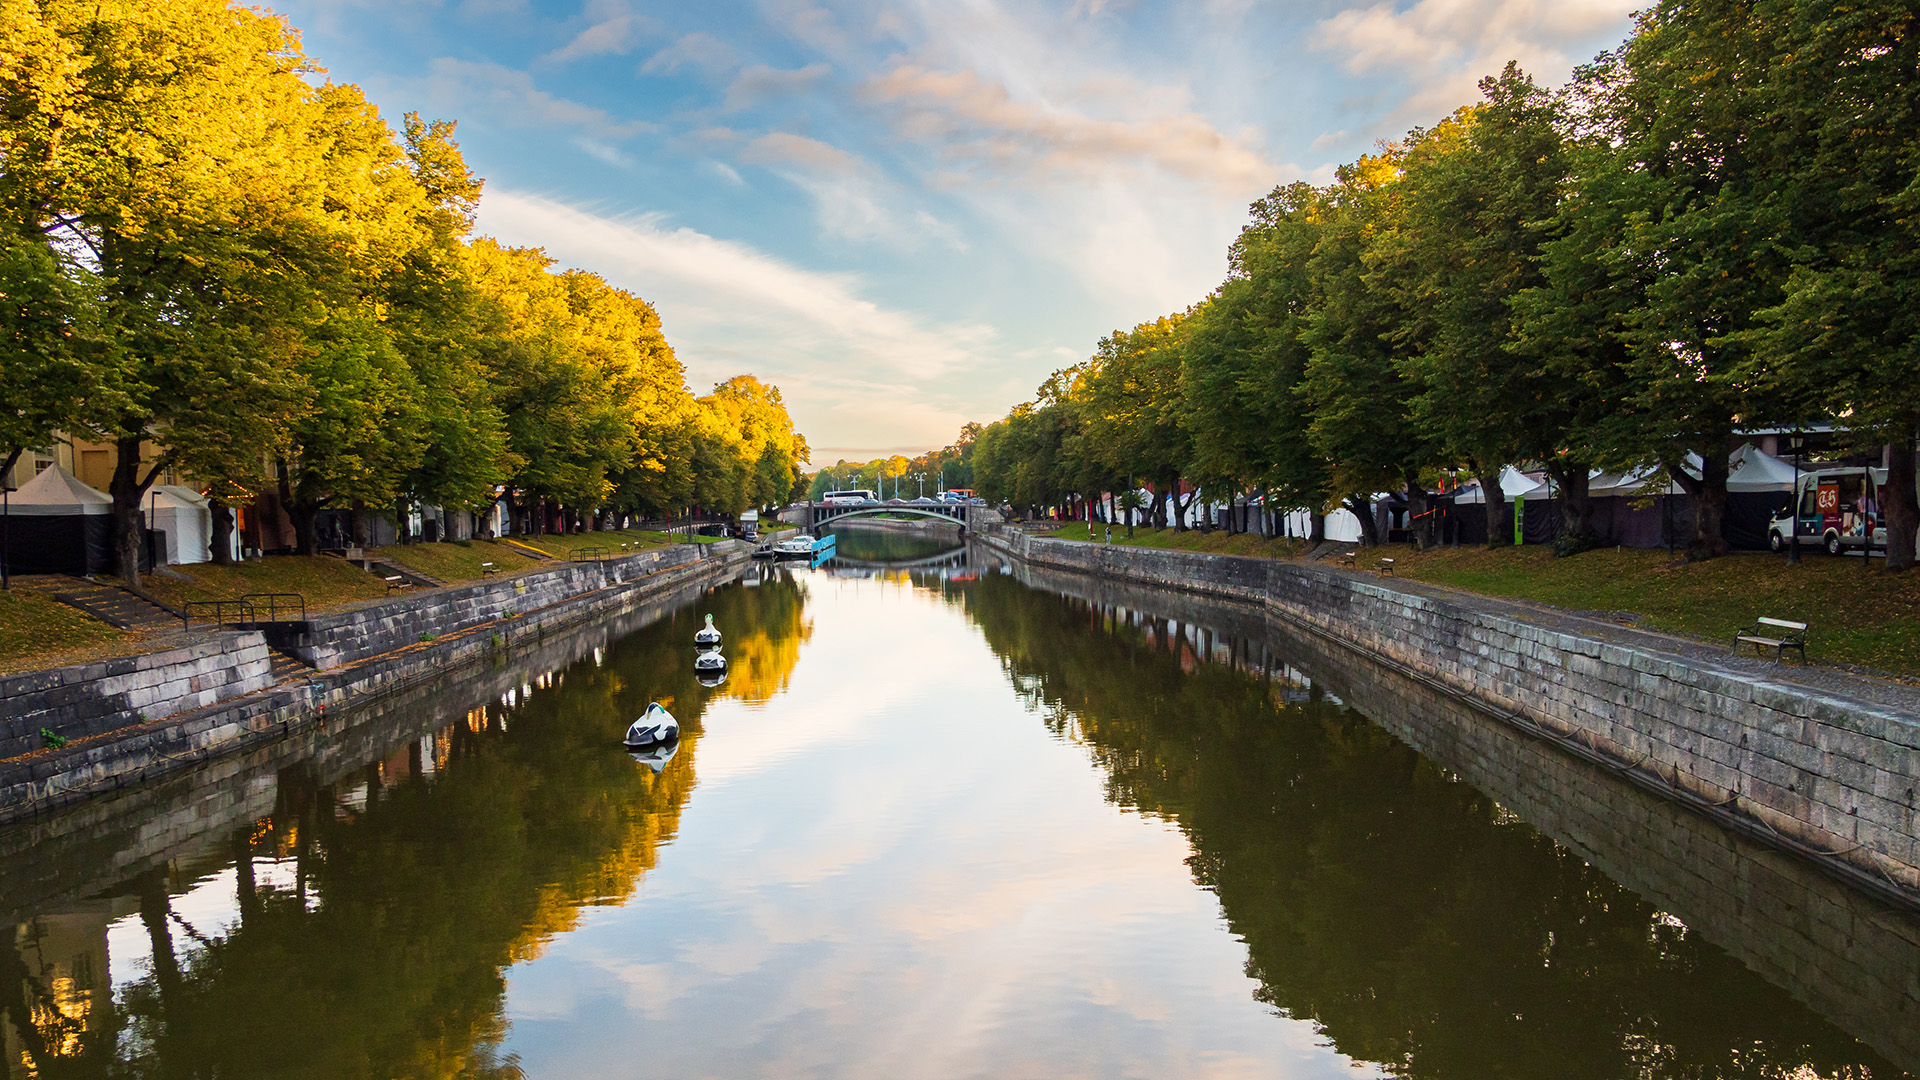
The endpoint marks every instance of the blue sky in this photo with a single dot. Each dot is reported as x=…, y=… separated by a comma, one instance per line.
x=907, y=212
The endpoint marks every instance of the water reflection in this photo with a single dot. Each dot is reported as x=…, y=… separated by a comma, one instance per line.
x=899, y=863
x=363, y=927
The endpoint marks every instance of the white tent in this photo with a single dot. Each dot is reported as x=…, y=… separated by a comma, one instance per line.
x=57, y=525
x=57, y=493
x=1753, y=469
x=1512, y=482
x=183, y=514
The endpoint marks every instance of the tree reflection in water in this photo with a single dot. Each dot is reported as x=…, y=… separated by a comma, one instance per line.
x=371, y=918
x=1415, y=921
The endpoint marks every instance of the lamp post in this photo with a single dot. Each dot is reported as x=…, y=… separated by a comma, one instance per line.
x=6, y=533
x=920, y=480
x=1793, y=505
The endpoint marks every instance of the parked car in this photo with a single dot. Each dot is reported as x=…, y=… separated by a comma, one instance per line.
x=1838, y=509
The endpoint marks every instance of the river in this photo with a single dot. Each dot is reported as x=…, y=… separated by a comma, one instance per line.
x=952, y=821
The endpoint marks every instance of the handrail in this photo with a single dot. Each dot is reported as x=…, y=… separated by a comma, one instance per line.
x=218, y=609
x=594, y=552
x=275, y=603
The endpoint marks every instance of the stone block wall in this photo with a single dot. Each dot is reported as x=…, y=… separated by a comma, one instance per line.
x=1838, y=775
x=330, y=641
x=84, y=700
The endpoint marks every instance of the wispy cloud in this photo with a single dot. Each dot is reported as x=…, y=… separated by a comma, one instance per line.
x=702, y=51
x=612, y=30
x=978, y=124
x=760, y=82
x=729, y=307
x=510, y=96
x=852, y=200
x=1443, y=47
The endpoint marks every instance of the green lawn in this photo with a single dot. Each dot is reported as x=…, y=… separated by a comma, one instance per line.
x=38, y=632
x=1856, y=615
x=570, y=545
x=1217, y=542
x=324, y=581
x=455, y=561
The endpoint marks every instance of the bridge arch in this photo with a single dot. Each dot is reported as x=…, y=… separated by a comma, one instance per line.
x=953, y=514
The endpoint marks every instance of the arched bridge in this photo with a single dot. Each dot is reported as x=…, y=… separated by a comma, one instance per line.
x=953, y=559
x=819, y=514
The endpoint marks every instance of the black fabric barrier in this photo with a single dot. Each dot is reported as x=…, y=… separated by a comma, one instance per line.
x=58, y=544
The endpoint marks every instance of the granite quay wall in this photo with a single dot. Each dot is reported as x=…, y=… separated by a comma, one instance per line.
x=98, y=845
x=328, y=641
x=143, y=752
x=1841, y=952
x=86, y=700
x=1829, y=777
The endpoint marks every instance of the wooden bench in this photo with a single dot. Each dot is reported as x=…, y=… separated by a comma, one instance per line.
x=1386, y=567
x=488, y=569
x=1776, y=634
x=396, y=583
x=1347, y=559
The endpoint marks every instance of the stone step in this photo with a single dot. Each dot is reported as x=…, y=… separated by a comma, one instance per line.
x=116, y=606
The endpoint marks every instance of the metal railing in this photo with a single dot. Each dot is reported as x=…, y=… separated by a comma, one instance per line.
x=217, y=612
x=277, y=606
x=594, y=553
x=248, y=610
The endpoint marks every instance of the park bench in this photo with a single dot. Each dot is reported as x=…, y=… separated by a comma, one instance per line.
x=396, y=583
x=1386, y=567
x=488, y=569
x=1347, y=559
x=1776, y=634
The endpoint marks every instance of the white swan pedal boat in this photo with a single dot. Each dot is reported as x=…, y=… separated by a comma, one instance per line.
x=656, y=727
x=707, y=637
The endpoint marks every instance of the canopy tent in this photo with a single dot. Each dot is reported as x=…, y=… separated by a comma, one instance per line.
x=57, y=525
x=183, y=515
x=1512, y=482
x=1753, y=469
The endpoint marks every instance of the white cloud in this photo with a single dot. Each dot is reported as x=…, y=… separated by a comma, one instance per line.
x=978, y=124
x=852, y=200
x=611, y=30
x=703, y=51
x=510, y=96
x=844, y=363
x=1444, y=47
x=603, y=152
x=760, y=83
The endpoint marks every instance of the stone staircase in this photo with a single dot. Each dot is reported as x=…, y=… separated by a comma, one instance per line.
x=111, y=604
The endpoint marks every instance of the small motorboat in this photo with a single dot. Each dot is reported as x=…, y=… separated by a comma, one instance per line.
x=709, y=661
x=656, y=727
x=656, y=756
x=707, y=637
x=794, y=547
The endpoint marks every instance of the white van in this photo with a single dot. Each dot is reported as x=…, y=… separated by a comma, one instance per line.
x=1839, y=509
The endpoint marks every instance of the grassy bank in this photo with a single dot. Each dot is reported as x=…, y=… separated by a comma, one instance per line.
x=1856, y=615
x=1217, y=542
x=325, y=582
x=456, y=561
x=38, y=631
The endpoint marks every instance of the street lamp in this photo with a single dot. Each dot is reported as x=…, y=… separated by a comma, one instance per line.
x=920, y=479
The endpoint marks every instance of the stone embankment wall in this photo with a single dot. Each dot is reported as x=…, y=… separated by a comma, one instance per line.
x=85, y=700
x=98, y=845
x=1830, y=777
x=328, y=641
x=144, y=746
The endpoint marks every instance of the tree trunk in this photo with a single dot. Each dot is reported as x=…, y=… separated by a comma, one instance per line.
x=1708, y=497
x=1316, y=527
x=300, y=513
x=222, y=514
x=128, y=488
x=1899, y=503
x=1494, y=497
x=1419, y=521
x=1576, y=507
x=1362, y=508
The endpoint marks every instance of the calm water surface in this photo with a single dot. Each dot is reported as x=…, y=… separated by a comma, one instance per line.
x=933, y=825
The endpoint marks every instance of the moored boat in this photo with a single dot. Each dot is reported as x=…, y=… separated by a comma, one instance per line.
x=707, y=637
